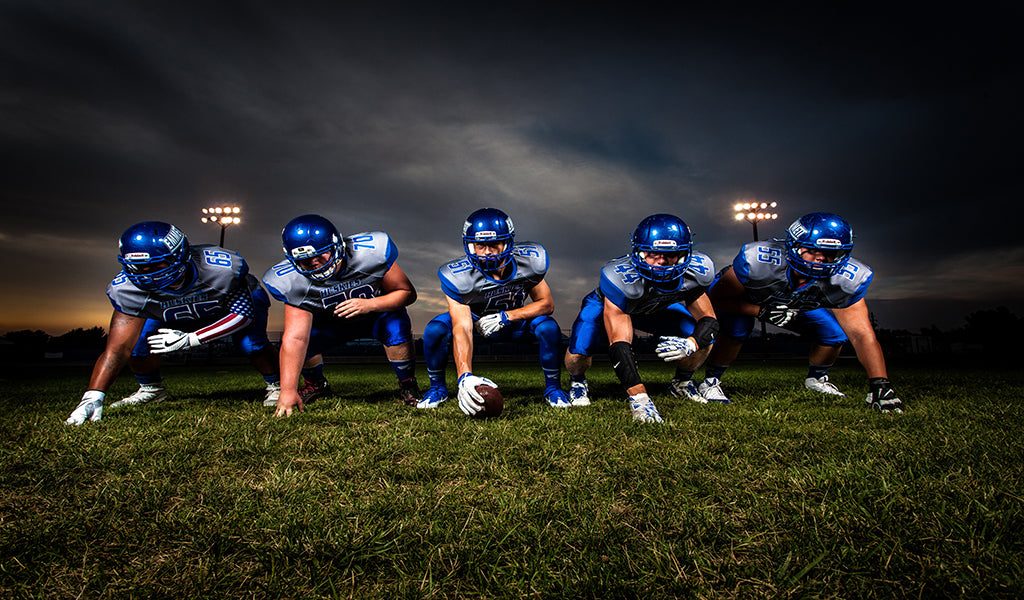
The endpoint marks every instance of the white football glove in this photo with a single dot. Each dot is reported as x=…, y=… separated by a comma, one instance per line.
x=470, y=401
x=91, y=407
x=489, y=325
x=169, y=340
x=778, y=315
x=674, y=348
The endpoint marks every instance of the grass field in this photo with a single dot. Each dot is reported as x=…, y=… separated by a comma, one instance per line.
x=782, y=494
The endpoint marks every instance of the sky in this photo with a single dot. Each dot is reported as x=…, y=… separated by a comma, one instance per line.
x=578, y=121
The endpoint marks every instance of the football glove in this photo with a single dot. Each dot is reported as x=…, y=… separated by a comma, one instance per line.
x=169, y=340
x=90, y=407
x=778, y=314
x=489, y=325
x=470, y=401
x=882, y=397
x=674, y=348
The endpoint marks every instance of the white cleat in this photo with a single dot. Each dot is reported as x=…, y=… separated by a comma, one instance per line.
x=145, y=394
x=686, y=389
x=273, y=393
x=711, y=390
x=823, y=385
x=579, y=394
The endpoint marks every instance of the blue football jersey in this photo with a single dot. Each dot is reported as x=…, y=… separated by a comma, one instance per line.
x=634, y=295
x=368, y=257
x=218, y=273
x=763, y=270
x=463, y=282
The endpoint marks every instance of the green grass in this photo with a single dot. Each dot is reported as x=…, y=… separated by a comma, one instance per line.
x=781, y=494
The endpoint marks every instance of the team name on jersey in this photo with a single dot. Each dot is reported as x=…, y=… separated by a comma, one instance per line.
x=501, y=291
x=193, y=299
x=341, y=287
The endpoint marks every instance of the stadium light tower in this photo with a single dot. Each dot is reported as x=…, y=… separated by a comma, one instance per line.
x=223, y=216
x=756, y=211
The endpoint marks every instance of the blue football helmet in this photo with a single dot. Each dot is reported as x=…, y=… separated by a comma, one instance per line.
x=309, y=236
x=154, y=255
x=661, y=233
x=488, y=225
x=821, y=231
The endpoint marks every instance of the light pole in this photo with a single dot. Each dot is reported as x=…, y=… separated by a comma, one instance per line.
x=223, y=216
x=754, y=212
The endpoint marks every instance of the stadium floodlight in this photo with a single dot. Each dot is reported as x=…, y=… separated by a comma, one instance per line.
x=223, y=216
x=754, y=212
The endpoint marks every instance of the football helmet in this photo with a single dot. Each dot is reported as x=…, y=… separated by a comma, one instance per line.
x=154, y=255
x=310, y=236
x=821, y=231
x=488, y=225
x=661, y=233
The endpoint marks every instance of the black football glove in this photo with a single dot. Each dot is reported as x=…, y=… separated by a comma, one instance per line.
x=777, y=314
x=882, y=397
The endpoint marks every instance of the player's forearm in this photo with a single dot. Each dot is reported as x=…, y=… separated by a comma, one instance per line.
x=394, y=300
x=462, y=351
x=291, y=357
x=869, y=353
x=226, y=326
x=107, y=367
x=530, y=311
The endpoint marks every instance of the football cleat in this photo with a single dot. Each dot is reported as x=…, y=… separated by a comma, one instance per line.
x=686, y=389
x=643, y=409
x=557, y=398
x=823, y=385
x=409, y=392
x=579, y=394
x=711, y=390
x=273, y=393
x=146, y=393
x=434, y=397
x=313, y=390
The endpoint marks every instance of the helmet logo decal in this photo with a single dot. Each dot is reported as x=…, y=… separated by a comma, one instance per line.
x=173, y=238
x=797, y=229
x=303, y=252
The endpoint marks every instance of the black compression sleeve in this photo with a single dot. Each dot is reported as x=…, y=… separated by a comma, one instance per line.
x=624, y=363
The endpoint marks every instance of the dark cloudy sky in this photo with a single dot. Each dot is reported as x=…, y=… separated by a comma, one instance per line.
x=576, y=120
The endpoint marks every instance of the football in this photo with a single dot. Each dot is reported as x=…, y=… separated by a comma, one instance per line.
x=494, y=402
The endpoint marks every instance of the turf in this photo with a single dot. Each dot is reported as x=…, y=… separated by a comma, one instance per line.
x=783, y=493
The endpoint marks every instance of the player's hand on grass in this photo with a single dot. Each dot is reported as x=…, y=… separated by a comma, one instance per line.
x=882, y=397
x=90, y=407
x=288, y=402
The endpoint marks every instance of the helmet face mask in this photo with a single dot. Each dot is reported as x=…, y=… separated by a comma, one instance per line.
x=664, y=235
x=154, y=255
x=493, y=229
x=314, y=247
x=828, y=236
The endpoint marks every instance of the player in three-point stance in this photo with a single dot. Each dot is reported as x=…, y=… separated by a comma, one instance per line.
x=172, y=296
x=334, y=290
x=809, y=284
x=659, y=288
x=486, y=291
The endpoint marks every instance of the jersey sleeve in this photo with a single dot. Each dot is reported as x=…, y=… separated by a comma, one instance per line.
x=741, y=266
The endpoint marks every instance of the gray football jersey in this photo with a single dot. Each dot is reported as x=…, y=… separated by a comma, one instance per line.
x=368, y=257
x=763, y=270
x=218, y=271
x=627, y=289
x=463, y=282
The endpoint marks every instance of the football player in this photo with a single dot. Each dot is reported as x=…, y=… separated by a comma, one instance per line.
x=659, y=287
x=172, y=296
x=486, y=292
x=336, y=289
x=809, y=284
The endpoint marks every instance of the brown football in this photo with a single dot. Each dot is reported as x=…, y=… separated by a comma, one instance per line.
x=494, y=402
